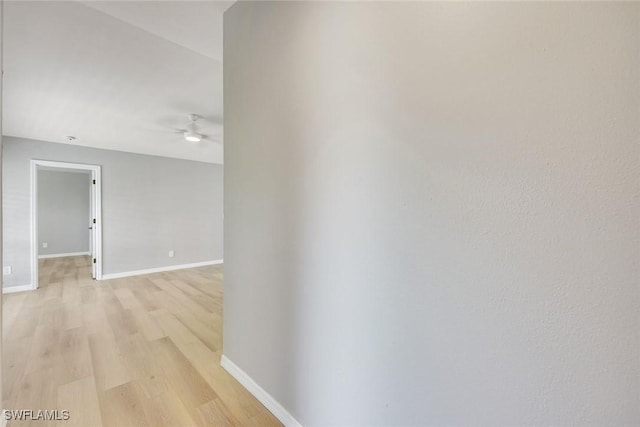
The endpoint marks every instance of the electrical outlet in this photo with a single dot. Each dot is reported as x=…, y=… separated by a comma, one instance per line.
x=6, y=270
x=45, y=244
x=171, y=254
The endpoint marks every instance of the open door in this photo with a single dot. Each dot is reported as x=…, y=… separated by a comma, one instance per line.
x=95, y=220
x=92, y=226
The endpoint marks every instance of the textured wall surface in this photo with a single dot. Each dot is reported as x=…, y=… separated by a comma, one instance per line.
x=150, y=205
x=63, y=212
x=432, y=211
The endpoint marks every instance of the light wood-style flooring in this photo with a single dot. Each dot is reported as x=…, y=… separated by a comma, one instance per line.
x=136, y=351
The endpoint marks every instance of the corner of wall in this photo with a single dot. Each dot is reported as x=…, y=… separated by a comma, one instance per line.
x=259, y=393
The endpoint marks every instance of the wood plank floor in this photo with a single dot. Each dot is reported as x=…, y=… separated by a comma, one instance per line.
x=137, y=351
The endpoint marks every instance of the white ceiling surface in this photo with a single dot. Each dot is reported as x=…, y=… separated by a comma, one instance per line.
x=117, y=75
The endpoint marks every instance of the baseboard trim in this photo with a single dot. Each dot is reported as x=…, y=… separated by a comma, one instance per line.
x=160, y=269
x=63, y=255
x=12, y=289
x=259, y=393
x=3, y=422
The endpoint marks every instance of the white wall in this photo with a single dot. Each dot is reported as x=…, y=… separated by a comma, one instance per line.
x=1, y=150
x=432, y=211
x=150, y=205
x=63, y=212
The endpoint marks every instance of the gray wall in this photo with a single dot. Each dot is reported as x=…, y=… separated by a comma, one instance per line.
x=150, y=205
x=63, y=212
x=432, y=211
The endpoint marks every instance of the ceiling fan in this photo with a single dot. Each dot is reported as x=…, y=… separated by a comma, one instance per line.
x=191, y=133
x=194, y=130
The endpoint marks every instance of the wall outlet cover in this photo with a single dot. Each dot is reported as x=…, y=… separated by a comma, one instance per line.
x=6, y=270
x=45, y=244
x=171, y=254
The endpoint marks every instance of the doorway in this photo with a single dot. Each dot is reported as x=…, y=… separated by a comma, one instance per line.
x=93, y=218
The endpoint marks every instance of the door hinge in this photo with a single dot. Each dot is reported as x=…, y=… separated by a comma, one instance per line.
x=94, y=220
x=94, y=181
x=94, y=260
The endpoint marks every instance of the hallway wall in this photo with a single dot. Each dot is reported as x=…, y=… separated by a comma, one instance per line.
x=431, y=211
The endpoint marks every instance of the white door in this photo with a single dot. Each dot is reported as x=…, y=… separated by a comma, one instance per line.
x=92, y=225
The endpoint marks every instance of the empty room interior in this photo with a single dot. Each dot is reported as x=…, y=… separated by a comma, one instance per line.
x=320, y=214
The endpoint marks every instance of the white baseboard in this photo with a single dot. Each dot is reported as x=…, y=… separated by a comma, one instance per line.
x=259, y=393
x=12, y=289
x=160, y=269
x=3, y=422
x=63, y=255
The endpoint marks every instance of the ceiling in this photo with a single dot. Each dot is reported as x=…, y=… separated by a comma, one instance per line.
x=117, y=75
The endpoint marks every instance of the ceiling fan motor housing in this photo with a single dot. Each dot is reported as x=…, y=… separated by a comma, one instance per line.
x=191, y=134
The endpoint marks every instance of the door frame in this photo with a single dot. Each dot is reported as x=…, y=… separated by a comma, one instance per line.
x=96, y=203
